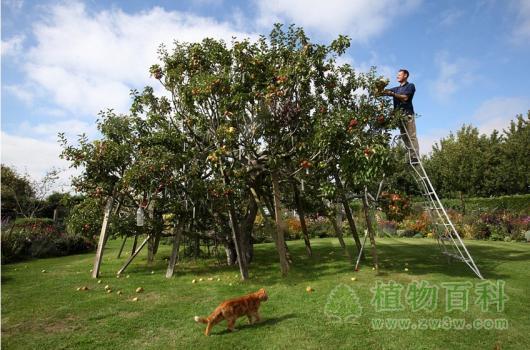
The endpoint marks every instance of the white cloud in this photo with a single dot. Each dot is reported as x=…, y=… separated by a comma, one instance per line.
x=453, y=74
x=13, y=45
x=521, y=31
x=23, y=93
x=496, y=113
x=48, y=131
x=429, y=138
x=360, y=19
x=88, y=61
x=36, y=157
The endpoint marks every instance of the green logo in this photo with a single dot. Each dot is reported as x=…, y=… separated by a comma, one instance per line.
x=343, y=304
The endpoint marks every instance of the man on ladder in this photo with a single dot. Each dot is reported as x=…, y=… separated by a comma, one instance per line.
x=403, y=95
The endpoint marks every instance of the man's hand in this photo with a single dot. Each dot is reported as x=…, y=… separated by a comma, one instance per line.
x=403, y=98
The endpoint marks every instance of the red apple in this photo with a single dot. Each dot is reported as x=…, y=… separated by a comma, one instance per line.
x=353, y=123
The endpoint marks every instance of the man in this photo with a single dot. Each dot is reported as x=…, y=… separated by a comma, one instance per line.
x=403, y=95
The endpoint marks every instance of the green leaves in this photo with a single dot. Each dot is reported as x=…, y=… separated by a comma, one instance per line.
x=231, y=114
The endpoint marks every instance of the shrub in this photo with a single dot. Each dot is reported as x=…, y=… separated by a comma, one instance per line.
x=294, y=228
x=319, y=227
x=517, y=204
x=395, y=206
x=39, y=239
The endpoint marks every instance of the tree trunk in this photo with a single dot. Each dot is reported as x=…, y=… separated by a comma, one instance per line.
x=247, y=228
x=135, y=241
x=234, y=225
x=301, y=214
x=347, y=210
x=230, y=250
x=122, y=246
x=338, y=232
x=280, y=238
x=371, y=234
x=152, y=244
x=463, y=203
x=196, y=246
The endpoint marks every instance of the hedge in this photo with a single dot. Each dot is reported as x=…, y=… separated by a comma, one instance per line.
x=517, y=204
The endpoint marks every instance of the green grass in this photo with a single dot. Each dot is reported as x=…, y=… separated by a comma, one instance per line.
x=45, y=311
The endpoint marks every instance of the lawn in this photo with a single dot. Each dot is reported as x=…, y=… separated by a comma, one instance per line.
x=43, y=310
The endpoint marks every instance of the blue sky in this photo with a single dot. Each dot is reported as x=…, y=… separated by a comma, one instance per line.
x=63, y=61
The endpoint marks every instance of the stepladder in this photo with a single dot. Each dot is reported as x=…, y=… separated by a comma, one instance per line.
x=447, y=236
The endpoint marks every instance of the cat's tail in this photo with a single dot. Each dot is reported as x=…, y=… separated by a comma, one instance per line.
x=200, y=319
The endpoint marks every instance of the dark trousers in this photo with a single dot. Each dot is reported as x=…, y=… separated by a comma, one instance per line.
x=409, y=126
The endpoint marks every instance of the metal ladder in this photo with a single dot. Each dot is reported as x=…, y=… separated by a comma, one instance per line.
x=448, y=240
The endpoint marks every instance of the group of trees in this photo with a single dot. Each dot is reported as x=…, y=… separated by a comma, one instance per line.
x=24, y=197
x=480, y=165
x=244, y=128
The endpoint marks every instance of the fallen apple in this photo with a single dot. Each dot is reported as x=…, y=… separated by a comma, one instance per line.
x=135, y=299
x=118, y=292
x=99, y=281
x=309, y=289
x=194, y=281
x=354, y=279
x=139, y=290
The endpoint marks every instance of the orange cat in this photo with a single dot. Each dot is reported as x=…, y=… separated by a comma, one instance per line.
x=232, y=309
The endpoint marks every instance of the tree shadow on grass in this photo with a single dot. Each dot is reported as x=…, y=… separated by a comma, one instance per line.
x=419, y=256
x=425, y=258
x=264, y=322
